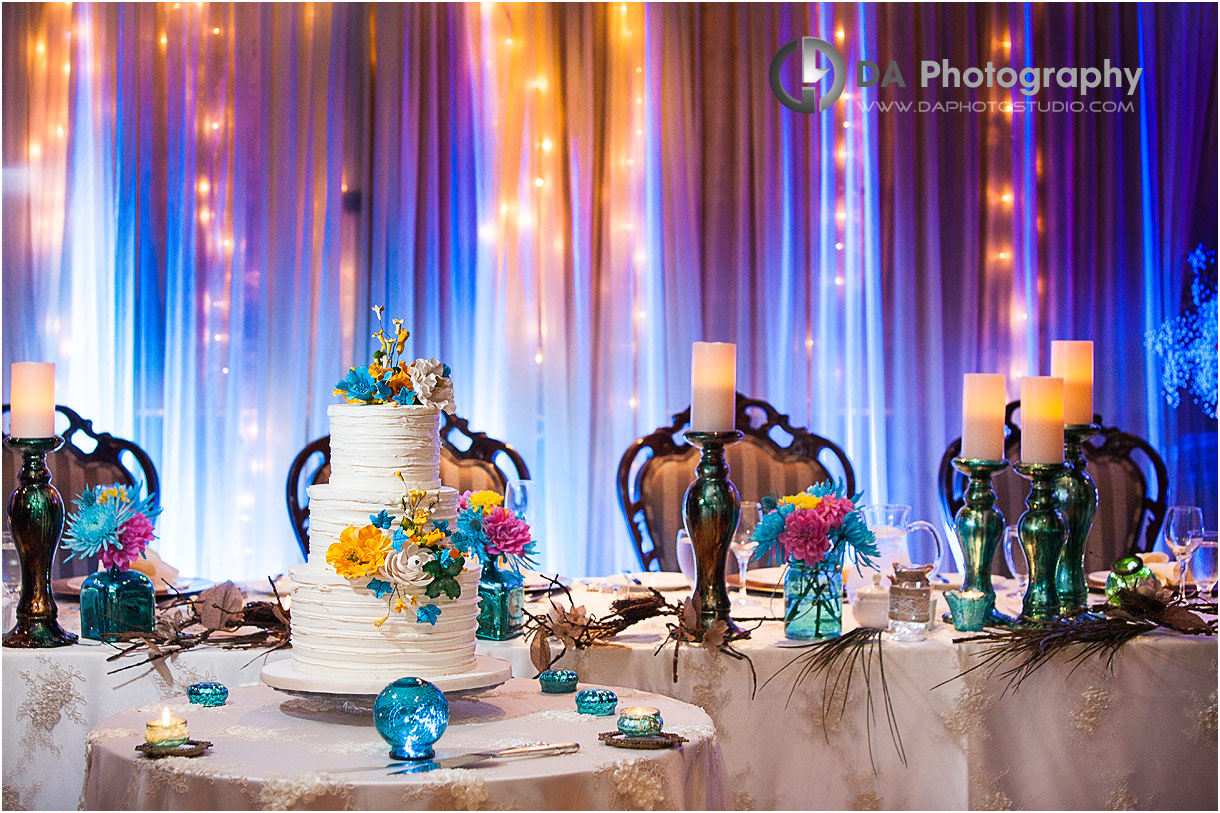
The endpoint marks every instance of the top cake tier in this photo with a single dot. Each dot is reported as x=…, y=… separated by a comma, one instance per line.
x=370, y=442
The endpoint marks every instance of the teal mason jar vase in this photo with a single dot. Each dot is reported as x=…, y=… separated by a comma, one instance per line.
x=813, y=600
x=501, y=605
x=114, y=601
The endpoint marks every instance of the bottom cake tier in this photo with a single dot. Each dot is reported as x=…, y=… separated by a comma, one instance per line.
x=335, y=629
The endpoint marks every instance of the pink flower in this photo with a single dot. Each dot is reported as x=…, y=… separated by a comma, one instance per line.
x=505, y=533
x=134, y=536
x=833, y=510
x=464, y=500
x=804, y=535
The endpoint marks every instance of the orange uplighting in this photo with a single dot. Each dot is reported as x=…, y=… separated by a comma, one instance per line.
x=204, y=186
x=215, y=30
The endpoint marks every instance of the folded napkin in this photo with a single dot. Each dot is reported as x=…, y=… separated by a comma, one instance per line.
x=156, y=569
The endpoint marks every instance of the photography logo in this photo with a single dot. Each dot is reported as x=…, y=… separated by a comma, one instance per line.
x=811, y=74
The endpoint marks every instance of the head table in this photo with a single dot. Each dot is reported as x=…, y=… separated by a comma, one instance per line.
x=1142, y=734
x=274, y=751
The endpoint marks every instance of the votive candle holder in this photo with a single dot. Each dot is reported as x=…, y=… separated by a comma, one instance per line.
x=167, y=731
x=640, y=721
x=558, y=681
x=598, y=702
x=207, y=693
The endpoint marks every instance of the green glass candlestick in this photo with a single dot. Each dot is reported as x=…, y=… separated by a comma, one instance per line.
x=980, y=526
x=1077, y=495
x=710, y=511
x=36, y=519
x=1042, y=530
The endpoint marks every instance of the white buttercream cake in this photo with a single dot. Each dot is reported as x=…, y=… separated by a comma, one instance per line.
x=335, y=621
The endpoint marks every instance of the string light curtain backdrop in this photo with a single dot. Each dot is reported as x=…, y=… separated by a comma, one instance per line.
x=203, y=200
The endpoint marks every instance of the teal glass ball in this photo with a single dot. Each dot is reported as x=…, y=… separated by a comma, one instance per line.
x=411, y=714
x=207, y=693
x=598, y=702
x=558, y=681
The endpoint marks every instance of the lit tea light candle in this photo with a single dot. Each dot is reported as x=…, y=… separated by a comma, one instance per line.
x=1041, y=419
x=640, y=721
x=1073, y=362
x=32, y=390
x=982, y=416
x=713, y=379
x=167, y=731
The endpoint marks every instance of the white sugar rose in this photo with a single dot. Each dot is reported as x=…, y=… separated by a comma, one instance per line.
x=406, y=567
x=431, y=386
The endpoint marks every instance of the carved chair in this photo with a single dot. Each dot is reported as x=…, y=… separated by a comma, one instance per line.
x=774, y=458
x=1130, y=509
x=470, y=461
x=88, y=458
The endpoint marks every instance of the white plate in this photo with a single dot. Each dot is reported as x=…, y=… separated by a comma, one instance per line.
x=953, y=581
x=641, y=582
x=536, y=583
x=184, y=587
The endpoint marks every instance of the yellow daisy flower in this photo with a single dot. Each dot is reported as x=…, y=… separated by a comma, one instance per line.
x=359, y=552
x=803, y=501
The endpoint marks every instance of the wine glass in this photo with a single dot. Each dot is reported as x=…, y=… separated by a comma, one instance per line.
x=743, y=546
x=1180, y=522
x=519, y=498
x=686, y=555
x=1203, y=562
x=11, y=565
x=1014, y=555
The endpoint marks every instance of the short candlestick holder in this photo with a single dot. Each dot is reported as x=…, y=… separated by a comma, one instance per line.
x=1042, y=530
x=710, y=511
x=980, y=526
x=36, y=518
x=1077, y=496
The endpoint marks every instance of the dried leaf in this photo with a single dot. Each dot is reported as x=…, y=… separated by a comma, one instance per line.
x=220, y=606
x=690, y=614
x=1183, y=620
x=714, y=637
x=540, y=651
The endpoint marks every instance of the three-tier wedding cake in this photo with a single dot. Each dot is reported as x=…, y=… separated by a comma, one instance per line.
x=384, y=593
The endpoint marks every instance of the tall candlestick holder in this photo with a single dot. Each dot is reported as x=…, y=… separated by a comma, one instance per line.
x=980, y=526
x=1042, y=530
x=1077, y=495
x=36, y=518
x=710, y=510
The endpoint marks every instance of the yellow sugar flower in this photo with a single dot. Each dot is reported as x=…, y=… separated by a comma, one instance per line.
x=430, y=539
x=803, y=501
x=486, y=500
x=113, y=493
x=416, y=495
x=359, y=552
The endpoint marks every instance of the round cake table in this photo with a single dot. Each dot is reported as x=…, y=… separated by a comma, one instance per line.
x=274, y=751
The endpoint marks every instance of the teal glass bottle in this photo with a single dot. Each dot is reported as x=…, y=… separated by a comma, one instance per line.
x=114, y=601
x=501, y=605
x=813, y=600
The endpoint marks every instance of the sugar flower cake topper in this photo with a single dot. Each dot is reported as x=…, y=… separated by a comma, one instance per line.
x=390, y=379
x=402, y=563
x=112, y=523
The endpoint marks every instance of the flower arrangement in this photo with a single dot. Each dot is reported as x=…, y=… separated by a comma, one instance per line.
x=815, y=526
x=395, y=562
x=112, y=523
x=492, y=533
x=391, y=380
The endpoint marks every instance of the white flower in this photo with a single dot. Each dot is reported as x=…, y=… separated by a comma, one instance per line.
x=406, y=567
x=431, y=386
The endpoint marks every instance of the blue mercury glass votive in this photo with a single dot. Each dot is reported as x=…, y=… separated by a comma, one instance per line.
x=411, y=714
x=598, y=702
x=640, y=721
x=207, y=693
x=558, y=681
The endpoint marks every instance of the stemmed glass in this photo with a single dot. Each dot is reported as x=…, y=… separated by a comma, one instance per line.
x=686, y=555
x=519, y=498
x=743, y=547
x=1014, y=555
x=1180, y=523
x=11, y=565
x=1203, y=562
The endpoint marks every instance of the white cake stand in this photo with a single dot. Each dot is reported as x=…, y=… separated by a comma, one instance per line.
x=283, y=675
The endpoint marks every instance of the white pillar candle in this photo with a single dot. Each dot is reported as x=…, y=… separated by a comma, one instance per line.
x=1073, y=362
x=32, y=398
x=982, y=416
x=1041, y=419
x=713, y=384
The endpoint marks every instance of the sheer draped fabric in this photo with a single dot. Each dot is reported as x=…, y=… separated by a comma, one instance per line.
x=202, y=202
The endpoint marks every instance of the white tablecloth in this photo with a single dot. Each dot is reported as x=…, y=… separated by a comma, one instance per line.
x=52, y=697
x=1140, y=736
x=272, y=751
x=1143, y=735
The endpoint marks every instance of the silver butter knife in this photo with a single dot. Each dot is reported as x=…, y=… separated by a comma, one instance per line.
x=465, y=760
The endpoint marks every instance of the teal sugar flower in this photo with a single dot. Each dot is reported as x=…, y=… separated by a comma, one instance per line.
x=358, y=385
x=405, y=397
x=427, y=614
x=380, y=588
x=381, y=520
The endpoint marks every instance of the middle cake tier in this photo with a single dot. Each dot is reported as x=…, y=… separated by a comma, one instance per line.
x=333, y=507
